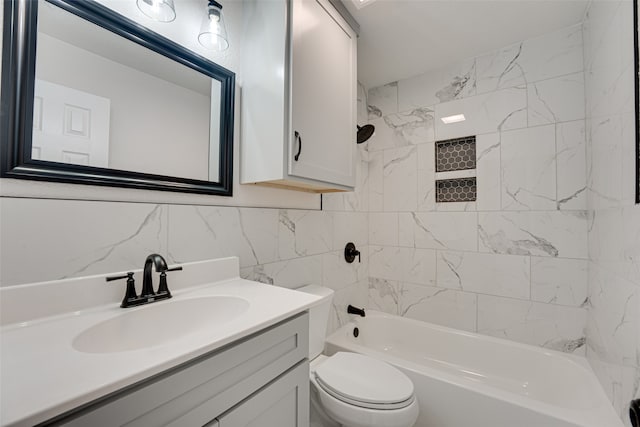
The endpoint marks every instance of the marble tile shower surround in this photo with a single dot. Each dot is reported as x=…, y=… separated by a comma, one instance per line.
x=613, y=322
x=512, y=264
x=548, y=57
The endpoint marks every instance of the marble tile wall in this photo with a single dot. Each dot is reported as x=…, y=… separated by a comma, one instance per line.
x=512, y=264
x=613, y=320
x=53, y=239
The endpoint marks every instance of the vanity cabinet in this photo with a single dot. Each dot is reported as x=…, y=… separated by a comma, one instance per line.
x=299, y=88
x=262, y=380
x=275, y=405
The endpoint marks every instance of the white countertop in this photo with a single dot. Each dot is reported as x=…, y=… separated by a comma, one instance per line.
x=42, y=375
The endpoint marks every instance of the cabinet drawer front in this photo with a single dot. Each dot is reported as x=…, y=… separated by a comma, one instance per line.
x=205, y=387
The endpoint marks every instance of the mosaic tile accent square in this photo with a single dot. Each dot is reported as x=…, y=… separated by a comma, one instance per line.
x=456, y=154
x=456, y=190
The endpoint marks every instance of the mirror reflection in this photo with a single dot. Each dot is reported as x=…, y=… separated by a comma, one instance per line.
x=102, y=100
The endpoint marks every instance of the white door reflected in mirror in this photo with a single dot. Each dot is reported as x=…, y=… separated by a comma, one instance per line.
x=70, y=126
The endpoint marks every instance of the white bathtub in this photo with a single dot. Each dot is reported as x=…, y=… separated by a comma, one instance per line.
x=464, y=379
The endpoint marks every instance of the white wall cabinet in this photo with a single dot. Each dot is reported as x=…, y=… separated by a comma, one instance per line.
x=262, y=380
x=299, y=88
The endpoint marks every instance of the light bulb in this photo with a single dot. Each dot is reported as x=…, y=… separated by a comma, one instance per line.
x=158, y=10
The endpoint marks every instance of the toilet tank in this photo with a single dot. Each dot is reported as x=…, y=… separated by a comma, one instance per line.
x=318, y=318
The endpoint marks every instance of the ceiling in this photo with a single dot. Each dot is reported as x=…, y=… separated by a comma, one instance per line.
x=404, y=38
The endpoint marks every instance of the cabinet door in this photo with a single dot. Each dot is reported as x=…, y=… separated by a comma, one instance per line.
x=283, y=403
x=323, y=94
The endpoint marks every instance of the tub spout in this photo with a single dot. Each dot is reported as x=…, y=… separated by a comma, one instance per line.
x=355, y=310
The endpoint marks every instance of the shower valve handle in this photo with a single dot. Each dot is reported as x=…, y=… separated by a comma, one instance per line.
x=350, y=253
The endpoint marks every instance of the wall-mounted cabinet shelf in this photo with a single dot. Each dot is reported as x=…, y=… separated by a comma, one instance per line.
x=299, y=87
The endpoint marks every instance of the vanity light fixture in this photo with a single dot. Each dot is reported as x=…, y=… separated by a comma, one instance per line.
x=213, y=32
x=453, y=119
x=158, y=10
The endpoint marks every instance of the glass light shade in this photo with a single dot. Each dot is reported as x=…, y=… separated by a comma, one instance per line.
x=213, y=32
x=158, y=10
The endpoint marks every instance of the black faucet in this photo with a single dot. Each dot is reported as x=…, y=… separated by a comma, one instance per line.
x=147, y=281
x=355, y=310
x=131, y=299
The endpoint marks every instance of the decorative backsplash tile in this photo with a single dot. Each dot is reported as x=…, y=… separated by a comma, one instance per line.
x=456, y=154
x=456, y=190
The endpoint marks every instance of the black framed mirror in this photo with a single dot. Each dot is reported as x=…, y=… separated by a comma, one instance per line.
x=166, y=123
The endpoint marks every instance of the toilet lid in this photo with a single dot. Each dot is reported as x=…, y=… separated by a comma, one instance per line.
x=363, y=380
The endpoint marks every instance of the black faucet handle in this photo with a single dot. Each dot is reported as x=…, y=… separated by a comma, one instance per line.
x=163, y=287
x=130, y=294
x=129, y=275
x=350, y=253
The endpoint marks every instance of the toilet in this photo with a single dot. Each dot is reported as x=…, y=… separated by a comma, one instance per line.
x=350, y=389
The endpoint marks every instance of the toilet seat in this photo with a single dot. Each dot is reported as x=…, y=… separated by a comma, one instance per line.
x=365, y=382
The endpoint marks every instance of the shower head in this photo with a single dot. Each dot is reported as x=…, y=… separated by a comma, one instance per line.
x=364, y=133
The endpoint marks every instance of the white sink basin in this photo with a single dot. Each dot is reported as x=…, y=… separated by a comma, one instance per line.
x=159, y=323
